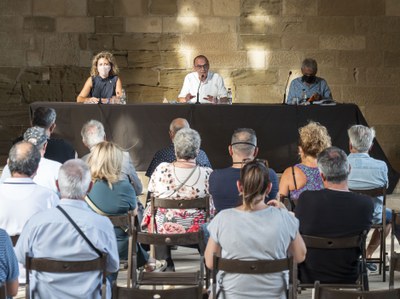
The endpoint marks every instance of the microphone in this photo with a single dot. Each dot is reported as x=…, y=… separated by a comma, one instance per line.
x=287, y=82
x=198, y=89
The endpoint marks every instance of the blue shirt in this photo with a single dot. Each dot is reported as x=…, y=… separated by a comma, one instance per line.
x=50, y=234
x=368, y=173
x=224, y=191
x=8, y=261
x=297, y=85
x=168, y=155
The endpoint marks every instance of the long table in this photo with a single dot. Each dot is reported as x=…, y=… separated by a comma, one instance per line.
x=143, y=128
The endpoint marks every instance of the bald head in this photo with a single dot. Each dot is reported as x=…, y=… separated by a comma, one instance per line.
x=244, y=143
x=176, y=125
x=23, y=159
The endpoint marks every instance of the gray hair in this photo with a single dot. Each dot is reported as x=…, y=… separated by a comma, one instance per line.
x=333, y=164
x=93, y=133
x=361, y=137
x=244, y=141
x=310, y=63
x=187, y=144
x=23, y=158
x=74, y=179
x=44, y=117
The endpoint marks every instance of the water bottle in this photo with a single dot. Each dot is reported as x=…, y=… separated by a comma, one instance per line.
x=229, y=96
x=122, y=98
x=304, y=96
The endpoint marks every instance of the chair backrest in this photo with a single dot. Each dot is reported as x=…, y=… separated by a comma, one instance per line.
x=14, y=239
x=256, y=267
x=193, y=292
x=394, y=266
x=322, y=292
x=58, y=266
x=3, y=294
x=375, y=192
x=125, y=222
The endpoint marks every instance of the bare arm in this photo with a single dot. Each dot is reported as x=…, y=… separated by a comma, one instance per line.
x=12, y=288
x=118, y=88
x=284, y=182
x=297, y=249
x=83, y=96
x=212, y=247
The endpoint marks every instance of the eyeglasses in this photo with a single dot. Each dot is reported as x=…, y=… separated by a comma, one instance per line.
x=204, y=66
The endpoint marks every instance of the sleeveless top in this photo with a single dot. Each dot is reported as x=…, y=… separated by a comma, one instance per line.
x=103, y=88
x=314, y=181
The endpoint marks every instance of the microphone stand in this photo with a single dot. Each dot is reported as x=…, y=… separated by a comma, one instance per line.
x=287, y=82
x=198, y=90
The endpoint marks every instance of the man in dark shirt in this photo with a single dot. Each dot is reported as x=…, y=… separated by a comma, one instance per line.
x=168, y=154
x=222, y=182
x=332, y=212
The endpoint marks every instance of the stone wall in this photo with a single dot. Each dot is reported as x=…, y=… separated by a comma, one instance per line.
x=47, y=46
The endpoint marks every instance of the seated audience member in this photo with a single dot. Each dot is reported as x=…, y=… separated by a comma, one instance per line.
x=112, y=196
x=315, y=88
x=182, y=179
x=8, y=265
x=210, y=86
x=93, y=133
x=313, y=139
x=332, y=212
x=47, y=172
x=51, y=235
x=368, y=173
x=254, y=231
x=57, y=149
x=20, y=196
x=168, y=154
x=223, y=189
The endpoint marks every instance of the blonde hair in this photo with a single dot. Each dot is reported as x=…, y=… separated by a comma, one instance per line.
x=314, y=138
x=110, y=57
x=105, y=162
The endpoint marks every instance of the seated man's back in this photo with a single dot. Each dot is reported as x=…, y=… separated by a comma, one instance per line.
x=331, y=213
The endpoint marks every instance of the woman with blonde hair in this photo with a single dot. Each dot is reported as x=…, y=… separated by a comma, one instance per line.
x=313, y=139
x=254, y=231
x=112, y=196
x=103, y=86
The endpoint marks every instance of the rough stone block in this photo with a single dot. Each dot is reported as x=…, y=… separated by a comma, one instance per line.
x=33, y=58
x=109, y=24
x=16, y=41
x=351, y=8
x=261, y=7
x=75, y=8
x=237, y=59
x=324, y=58
x=145, y=77
x=163, y=7
x=8, y=75
x=194, y=7
x=44, y=8
x=383, y=114
x=144, y=59
x=173, y=60
x=250, y=93
x=97, y=8
x=151, y=42
x=130, y=8
x=300, y=7
x=392, y=8
x=10, y=94
x=383, y=76
x=297, y=42
x=336, y=91
x=284, y=58
x=75, y=24
x=339, y=76
x=172, y=78
x=342, y=42
x=360, y=58
x=171, y=94
x=330, y=25
x=259, y=42
x=144, y=24
x=218, y=25
x=61, y=49
x=39, y=24
x=68, y=75
x=15, y=7
x=181, y=25
x=366, y=95
x=13, y=58
x=122, y=59
x=85, y=58
x=145, y=94
x=226, y=8
x=11, y=23
x=253, y=25
x=254, y=77
x=387, y=42
x=388, y=133
x=44, y=93
x=391, y=58
x=380, y=24
x=211, y=42
x=95, y=42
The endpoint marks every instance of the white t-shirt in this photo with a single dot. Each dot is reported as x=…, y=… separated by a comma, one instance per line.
x=212, y=86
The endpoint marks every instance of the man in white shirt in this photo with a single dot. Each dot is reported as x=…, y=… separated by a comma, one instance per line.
x=47, y=171
x=202, y=83
x=20, y=196
x=50, y=234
